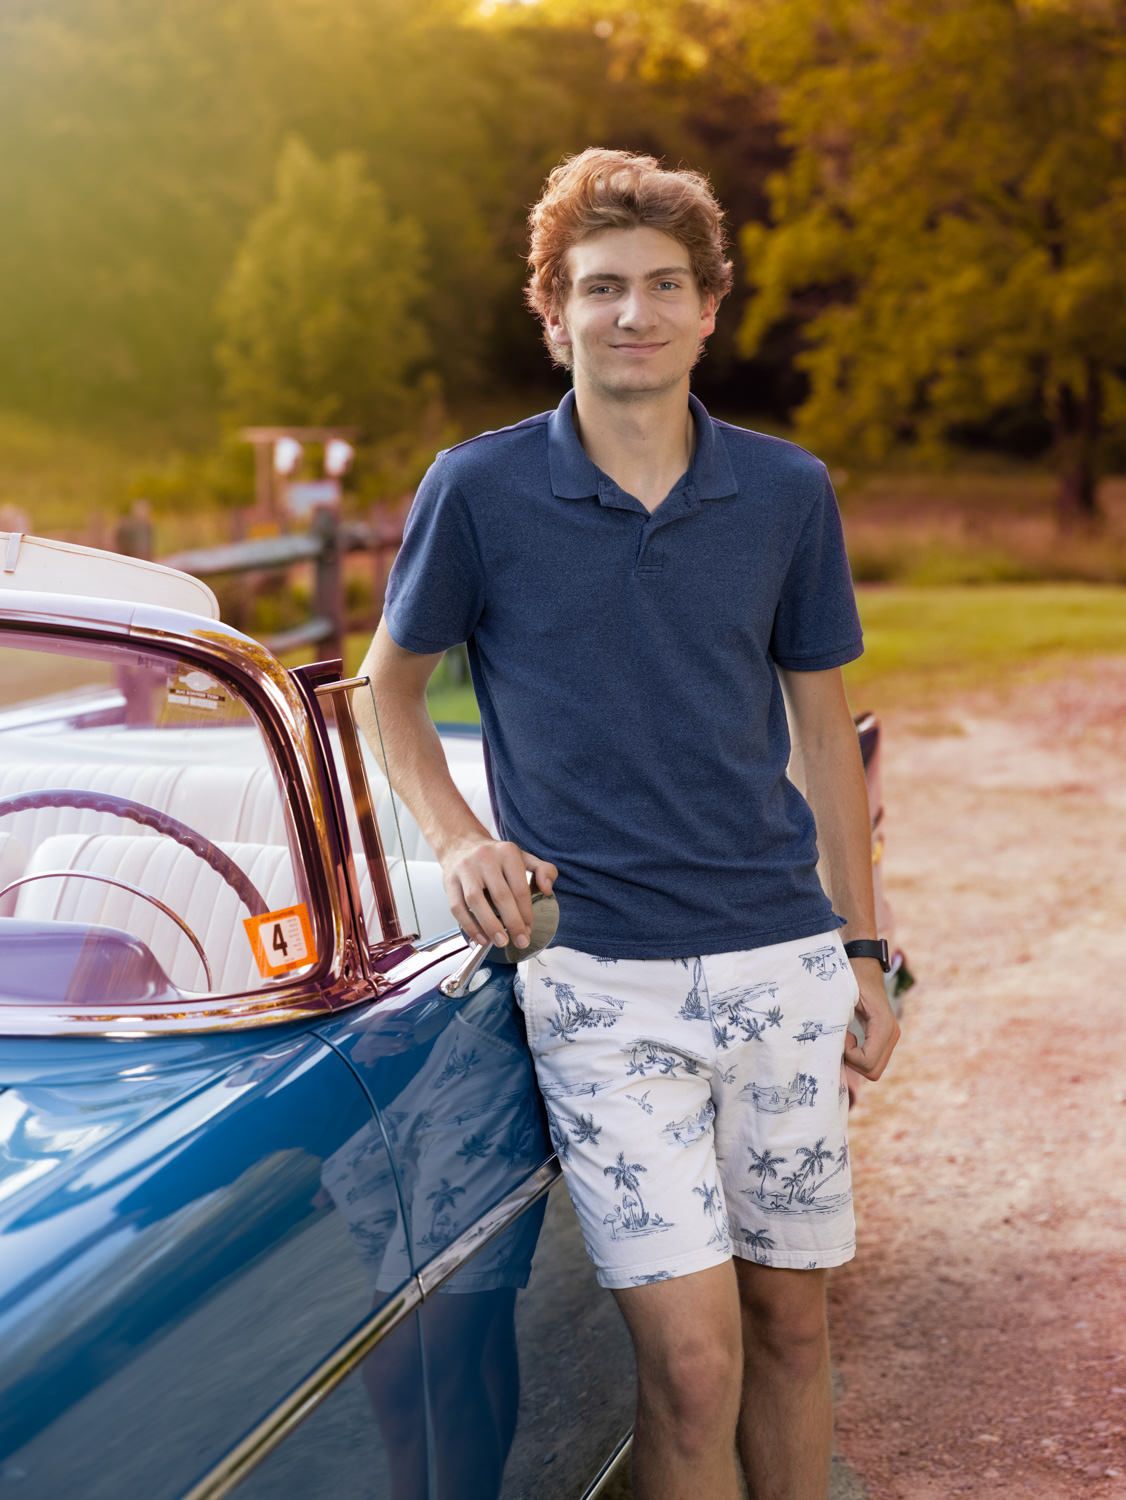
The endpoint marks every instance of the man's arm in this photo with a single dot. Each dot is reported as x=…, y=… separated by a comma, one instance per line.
x=837, y=792
x=473, y=862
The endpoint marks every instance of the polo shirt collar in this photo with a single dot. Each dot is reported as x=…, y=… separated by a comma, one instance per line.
x=575, y=476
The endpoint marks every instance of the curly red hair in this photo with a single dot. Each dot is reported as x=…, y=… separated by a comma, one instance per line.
x=604, y=189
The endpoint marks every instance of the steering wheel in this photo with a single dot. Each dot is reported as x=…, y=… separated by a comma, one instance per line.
x=150, y=817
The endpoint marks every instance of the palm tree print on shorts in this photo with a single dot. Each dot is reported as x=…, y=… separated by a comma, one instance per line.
x=692, y=1127
x=720, y=1238
x=732, y=1011
x=586, y=1130
x=572, y=1014
x=647, y=1055
x=694, y=1008
x=801, y=1194
x=824, y=962
x=650, y=1278
x=554, y=1088
x=776, y=1098
x=811, y=1030
x=559, y=1142
x=765, y=1165
x=758, y=1242
x=630, y=1217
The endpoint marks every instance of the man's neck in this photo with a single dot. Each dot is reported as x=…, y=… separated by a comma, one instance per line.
x=645, y=444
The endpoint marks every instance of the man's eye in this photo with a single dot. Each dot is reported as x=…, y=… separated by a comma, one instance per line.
x=602, y=288
x=674, y=284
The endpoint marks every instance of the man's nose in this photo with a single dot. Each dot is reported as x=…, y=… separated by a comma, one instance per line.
x=635, y=311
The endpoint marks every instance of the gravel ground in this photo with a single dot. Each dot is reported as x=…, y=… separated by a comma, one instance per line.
x=978, y=1335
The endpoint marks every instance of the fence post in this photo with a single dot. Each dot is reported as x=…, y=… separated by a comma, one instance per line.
x=328, y=587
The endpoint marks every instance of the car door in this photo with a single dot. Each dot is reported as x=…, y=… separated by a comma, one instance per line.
x=527, y=1363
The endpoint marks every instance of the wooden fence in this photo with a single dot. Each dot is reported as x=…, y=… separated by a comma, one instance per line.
x=324, y=546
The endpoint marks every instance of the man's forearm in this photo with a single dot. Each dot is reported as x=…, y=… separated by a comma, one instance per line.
x=837, y=792
x=415, y=766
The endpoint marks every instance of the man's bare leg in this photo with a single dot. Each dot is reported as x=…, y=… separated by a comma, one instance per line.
x=786, y=1422
x=689, y=1377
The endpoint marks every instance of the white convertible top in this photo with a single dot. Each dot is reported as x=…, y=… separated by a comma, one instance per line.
x=40, y=564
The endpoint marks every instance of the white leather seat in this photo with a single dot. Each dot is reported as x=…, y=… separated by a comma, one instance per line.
x=227, y=791
x=222, y=802
x=210, y=907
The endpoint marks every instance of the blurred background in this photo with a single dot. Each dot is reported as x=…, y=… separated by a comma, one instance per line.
x=231, y=214
x=261, y=260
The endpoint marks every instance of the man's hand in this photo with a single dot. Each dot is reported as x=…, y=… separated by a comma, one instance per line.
x=881, y=1029
x=476, y=871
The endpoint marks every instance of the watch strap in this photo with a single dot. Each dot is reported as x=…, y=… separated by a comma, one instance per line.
x=870, y=948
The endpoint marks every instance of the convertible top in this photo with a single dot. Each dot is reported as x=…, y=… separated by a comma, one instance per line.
x=42, y=564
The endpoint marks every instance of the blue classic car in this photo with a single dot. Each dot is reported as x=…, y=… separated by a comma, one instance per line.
x=279, y=1213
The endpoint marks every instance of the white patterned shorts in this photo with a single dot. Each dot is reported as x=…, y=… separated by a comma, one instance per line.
x=698, y=1106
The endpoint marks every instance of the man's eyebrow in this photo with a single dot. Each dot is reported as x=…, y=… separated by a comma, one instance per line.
x=648, y=276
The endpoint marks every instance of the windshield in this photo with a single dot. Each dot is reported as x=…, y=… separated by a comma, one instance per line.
x=146, y=848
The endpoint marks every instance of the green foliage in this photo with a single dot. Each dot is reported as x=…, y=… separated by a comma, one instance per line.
x=319, y=314
x=222, y=476
x=954, y=207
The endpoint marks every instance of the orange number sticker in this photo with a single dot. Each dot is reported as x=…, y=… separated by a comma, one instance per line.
x=281, y=940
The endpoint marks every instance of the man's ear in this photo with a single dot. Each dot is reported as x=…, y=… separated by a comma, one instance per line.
x=556, y=328
x=708, y=309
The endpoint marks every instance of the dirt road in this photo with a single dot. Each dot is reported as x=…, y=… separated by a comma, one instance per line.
x=979, y=1337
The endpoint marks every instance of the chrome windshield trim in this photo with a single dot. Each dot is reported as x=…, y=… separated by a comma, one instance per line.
x=283, y=717
x=265, y=1435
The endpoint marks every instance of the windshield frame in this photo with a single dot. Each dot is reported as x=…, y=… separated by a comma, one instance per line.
x=306, y=788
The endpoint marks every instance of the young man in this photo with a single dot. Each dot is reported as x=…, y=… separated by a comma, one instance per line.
x=638, y=585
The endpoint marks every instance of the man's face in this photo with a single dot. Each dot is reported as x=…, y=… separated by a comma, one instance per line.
x=633, y=317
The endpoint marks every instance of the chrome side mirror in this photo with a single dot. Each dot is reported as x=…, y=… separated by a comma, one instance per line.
x=545, y=924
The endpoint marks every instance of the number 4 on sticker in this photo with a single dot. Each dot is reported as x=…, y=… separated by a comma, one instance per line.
x=281, y=940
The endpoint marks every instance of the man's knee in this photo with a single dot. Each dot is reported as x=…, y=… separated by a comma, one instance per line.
x=693, y=1387
x=784, y=1315
x=689, y=1350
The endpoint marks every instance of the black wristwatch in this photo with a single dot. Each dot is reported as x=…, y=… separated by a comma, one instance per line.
x=870, y=948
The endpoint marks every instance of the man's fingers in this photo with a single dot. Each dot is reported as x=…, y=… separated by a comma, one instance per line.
x=489, y=894
x=543, y=870
x=510, y=895
x=871, y=1057
x=473, y=916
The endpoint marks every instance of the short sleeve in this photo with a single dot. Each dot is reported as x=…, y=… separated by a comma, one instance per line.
x=435, y=590
x=816, y=623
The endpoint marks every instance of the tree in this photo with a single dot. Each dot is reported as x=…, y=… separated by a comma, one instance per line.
x=320, y=310
x=949, y=232
x=956, y=198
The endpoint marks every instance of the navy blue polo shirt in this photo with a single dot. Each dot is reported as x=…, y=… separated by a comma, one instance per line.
x=624, y=664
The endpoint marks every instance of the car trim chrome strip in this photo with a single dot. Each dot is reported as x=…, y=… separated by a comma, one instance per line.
x=510, y=1207
x=266, y=1434
x=609, y=1468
